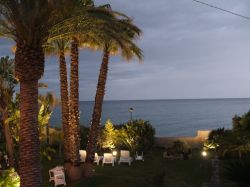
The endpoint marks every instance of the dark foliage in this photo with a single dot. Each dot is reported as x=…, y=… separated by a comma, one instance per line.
x=2, y=141
x=233, y=143
x=238, y=172
x=178, y=147
x=84, y=131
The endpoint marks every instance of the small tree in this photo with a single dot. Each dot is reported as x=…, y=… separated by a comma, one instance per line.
x=109, y=136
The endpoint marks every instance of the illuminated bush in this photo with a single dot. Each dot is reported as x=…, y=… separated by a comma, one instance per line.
x=137, y=135
x=9, y=178
x=109, y=136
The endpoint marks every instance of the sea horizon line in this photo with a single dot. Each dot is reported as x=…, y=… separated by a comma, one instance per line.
x=173, y=99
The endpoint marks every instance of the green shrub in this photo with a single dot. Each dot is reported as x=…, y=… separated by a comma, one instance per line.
x=47, y=152
x=234, y=143
x=229, y=144
x=178, y=147
x=84, y=132
x=241, y=123
x=238, y=172
x=9, y=178
x=137, y=135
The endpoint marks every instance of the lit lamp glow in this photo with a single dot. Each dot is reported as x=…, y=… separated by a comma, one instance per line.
x=204, y=153
x=114, y=153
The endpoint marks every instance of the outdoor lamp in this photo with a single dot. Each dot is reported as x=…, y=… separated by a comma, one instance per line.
x=204, y=153
x=114, y=153
x=131, y=113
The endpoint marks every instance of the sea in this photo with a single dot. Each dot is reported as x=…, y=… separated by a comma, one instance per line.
x=170, y=118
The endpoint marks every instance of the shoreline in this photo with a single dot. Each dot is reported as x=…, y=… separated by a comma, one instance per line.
x=165, y=141
x=191, y=141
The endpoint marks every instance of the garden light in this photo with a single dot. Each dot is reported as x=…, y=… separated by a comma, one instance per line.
x=114, y=153
x=204, y=153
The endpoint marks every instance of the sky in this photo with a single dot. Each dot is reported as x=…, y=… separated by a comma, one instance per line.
x=191, y=51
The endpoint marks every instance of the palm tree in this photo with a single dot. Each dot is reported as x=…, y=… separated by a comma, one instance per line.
x=70, y=104
x=101, y=30
x=61, y=47
x=128, y=32
x=74, y=128
x=30, y=23
x=74, y=124
x=7, y=84
x=102, y=27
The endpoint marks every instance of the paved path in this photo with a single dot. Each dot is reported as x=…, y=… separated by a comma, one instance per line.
x=215, y=179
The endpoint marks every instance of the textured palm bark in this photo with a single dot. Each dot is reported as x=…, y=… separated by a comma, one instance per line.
x=96, y=116
x=29, y=66
x=74, y=105
x=64, y=102
x=74, y=170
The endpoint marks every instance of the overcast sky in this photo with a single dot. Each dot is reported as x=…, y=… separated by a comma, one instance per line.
x=191, y=51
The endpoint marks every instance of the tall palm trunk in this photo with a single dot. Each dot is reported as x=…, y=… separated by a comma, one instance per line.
x=97, y=113
x=29, y=67
x=74, y=169
x=64, y=102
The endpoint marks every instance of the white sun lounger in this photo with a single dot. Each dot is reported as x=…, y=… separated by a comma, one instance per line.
x=125, y=157
x=83, y=154
x=97, y=159
x=108, y=159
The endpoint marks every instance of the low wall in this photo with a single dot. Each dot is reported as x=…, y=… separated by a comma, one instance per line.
x=192, y=142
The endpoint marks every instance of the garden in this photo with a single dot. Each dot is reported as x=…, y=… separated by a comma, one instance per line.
x=232, y=148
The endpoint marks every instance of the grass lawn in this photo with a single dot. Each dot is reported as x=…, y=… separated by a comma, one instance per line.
x=155, y=171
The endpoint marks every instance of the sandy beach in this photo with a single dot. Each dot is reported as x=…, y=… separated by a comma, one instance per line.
x=195, y=141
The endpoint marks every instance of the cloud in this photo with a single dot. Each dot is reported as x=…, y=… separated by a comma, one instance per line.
x=191, y=51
